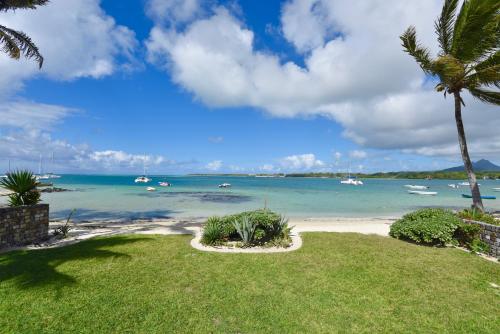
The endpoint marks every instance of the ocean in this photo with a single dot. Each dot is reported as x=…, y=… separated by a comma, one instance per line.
x=99, y=197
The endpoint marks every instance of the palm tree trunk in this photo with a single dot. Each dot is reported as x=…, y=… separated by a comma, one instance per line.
x=477, y=202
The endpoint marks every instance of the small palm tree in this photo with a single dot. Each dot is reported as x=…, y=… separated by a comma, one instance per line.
x=23, y=186
x=16, y=43
x=469, y=59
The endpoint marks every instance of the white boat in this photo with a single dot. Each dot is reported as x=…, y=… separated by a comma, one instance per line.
x=467, y=184
x=424, y=193
x=151, y=189
x=352, y=181
x=415, y=187
x=165, y=184
x=143, y=178
x=454, y=186
x=496, y=189
x=225, y=185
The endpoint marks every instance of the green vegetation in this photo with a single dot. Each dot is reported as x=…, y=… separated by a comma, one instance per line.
x=260, y=227
x=468, y=60
x=426, y=226
x=23, y=186
x=16, y=43
x=336, y=283
x=477, y=215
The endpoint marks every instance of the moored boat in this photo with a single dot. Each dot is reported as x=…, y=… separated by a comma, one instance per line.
x=151, y=189
x=423, y=193
x=165, y=184
x=482, y=197
x=225, y=185
x=496, y=189
x=415, y=187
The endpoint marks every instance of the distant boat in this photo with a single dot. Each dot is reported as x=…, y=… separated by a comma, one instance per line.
x=467, y=184
x=352, y=181
x=482, y=197
x=415, y=187
x=496, y=189
x=454, y=186
x=225, y=185
x=151, y=189
x=143, y=178
x=424, y=193
x=165, y=184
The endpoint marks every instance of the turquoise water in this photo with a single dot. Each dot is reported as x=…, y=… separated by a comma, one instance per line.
x=118, y=197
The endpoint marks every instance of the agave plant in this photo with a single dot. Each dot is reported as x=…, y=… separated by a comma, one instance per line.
x=16, y=43
x=469, y=59
x=279, y=226
x=246, y=229
x=23, y=186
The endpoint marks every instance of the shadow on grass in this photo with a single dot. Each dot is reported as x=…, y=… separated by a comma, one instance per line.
x=35, y=268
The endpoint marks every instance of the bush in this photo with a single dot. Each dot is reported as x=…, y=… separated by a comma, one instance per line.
x=479, y=246
x=465, y=234
x=213, y=232
x=426, y=226
x=246, y=229
x=23, y=186
x=473, y=214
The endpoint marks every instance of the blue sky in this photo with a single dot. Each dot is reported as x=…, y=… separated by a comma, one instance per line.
x=150, y=103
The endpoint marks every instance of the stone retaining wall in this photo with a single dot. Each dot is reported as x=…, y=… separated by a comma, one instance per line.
x=491, y=235
x=23, y=225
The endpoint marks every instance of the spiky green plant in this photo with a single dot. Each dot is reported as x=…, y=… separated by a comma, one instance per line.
x=469, y=59
x=213, y=232
x=246, y=229
x=23, y=186
x=16, y=43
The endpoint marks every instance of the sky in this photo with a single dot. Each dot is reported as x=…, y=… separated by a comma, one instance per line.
x=237, y=86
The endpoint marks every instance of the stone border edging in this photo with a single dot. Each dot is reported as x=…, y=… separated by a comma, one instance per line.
x=196, y=244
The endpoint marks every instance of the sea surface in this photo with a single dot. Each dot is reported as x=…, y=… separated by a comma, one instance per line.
x=98, y=197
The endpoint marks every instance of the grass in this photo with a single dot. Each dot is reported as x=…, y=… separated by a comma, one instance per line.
x=334, y=283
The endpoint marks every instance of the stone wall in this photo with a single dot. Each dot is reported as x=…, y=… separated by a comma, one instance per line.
x=23, y=225
x=491, y=235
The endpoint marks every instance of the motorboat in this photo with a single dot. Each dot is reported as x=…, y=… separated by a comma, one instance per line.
x=423, y=193
x=225, y=185
x=454, y=186
x=482, y=197
x=142, y=179
x=151, y=189
x=415, y=187
x=165, y=184
x=467, y=184
x=496, y=189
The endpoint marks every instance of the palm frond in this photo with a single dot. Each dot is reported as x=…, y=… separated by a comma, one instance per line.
x=445, y=24
x=6, y=5
x=487, y=96
x=412, y=47
x=22, y=42
x=477, y=30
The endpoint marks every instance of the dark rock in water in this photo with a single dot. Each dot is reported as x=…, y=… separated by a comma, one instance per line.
x=53, y=190
x=214, y=197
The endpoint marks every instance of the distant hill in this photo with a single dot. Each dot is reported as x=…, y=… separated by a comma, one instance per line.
x=479, y=166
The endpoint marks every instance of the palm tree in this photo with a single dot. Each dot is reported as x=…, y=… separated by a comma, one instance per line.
x=469, y=59
x=16, y=43
x=23, y=185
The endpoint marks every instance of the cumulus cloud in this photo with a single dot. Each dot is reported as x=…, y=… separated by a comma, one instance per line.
x=173, y=12
x=214, y=165
x=301, y=162
x=77, y=39
x=358, y=154
x=354, y=72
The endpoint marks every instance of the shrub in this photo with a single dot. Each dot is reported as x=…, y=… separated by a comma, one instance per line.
x=465, y=234
x=23, y=186
x=213, y=232
x=479, y=246
x=63, y=231
x=473, y=214
x=427, y=226
x=246, y=229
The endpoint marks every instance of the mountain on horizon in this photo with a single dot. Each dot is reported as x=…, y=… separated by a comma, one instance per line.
x=482, y=165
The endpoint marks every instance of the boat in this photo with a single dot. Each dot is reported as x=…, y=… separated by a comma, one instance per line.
x=165, y=184
x=466, y=184
x=151, y=189
x=454, y=186
x=424, y=193
x=225, y=185
x=496, y=189
x=482, y=197
x=415, y=187
x=143, y=178
x=352, y=181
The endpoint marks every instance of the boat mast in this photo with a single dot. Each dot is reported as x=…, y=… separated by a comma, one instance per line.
x=40, y=165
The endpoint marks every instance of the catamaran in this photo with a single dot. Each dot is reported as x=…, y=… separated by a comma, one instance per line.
x=351, y=180
x=143, y=178
x=415, y=187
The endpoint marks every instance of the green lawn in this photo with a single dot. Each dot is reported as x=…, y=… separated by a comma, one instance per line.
x=334, y=283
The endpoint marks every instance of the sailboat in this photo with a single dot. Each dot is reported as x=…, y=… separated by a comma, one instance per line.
x=143, y=178
x=51, y=175
x=351, y=180
x=41, y=176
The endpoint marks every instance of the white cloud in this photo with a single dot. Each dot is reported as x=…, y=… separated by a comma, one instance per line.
x=354, y=72
x=214, y=165
x=268, y=168
x=110, y=158
x=301, y=162
x=31, y=115
x=358, y=154
x=173, y=11
x=77, y=39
